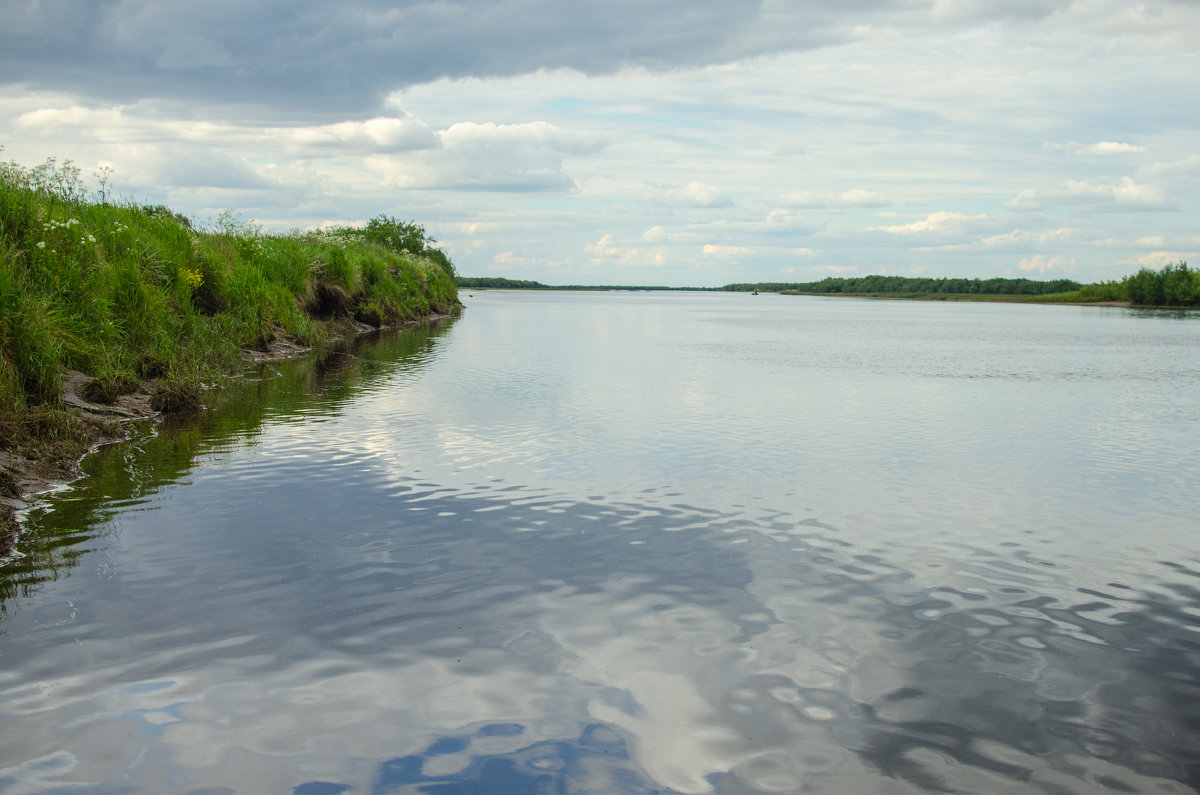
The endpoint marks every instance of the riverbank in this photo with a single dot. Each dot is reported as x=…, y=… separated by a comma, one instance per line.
x=111, y=313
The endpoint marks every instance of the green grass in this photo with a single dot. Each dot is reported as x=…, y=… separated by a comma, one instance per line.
x=123, y=292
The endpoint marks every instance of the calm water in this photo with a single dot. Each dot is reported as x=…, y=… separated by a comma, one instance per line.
x=634, y=543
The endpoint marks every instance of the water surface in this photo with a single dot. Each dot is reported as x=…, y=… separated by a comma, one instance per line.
x=679, y=543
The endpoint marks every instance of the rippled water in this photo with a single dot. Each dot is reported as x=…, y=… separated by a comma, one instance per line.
x=632, y=543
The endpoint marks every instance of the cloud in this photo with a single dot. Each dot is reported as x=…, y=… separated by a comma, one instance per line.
x=320, y=59
x=940, y=222
x=1123, y=195
x=976, y=11
x=1157, y=259
x=785, y=222
x=856, y=197
x=381, y=134
x=1021, y=238
x=507, y=261
x=1042, y=263
x=340, y=56
x=606, y=251
x=1184, y=168
x=655, y=234
x=834, y=269
x=724, y=252
x=1101, y=148
x=491, y=157
x=693, y=194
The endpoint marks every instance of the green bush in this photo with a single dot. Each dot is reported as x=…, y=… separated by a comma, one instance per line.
x=1174, y=285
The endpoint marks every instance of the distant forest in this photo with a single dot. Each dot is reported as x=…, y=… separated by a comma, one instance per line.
x=914, y=286
x=497, y=282
x=1172, y=286
x=500, y=283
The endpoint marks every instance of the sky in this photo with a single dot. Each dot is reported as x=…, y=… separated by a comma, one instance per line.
x=673, y=143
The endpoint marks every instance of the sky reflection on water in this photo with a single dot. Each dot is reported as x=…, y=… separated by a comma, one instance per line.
x=577, y=543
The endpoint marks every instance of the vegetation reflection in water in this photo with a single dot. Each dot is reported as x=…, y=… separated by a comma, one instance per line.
x=119, y=476
x=485, y=636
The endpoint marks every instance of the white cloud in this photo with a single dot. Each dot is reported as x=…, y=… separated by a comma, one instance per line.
x=378, y=134
x=856, y=197
x=606, y=251
x=1125, y=194
x=1041, y=263
x=724, y=252
x=693, y=194
x=785, y=222
x=1158, y=259
x=507, y=262
x=494, y=157
x=830, y=269
x=1100, y=148
x=940, y=222
x=1024, y=238
x=1184, y=168
x=655, y=234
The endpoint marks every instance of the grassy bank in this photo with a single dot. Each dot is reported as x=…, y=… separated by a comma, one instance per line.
x=137, y=297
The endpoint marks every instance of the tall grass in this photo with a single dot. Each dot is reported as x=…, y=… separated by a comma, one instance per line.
x=123, y=292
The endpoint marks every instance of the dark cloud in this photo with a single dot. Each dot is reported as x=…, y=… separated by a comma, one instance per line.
x=318, y=59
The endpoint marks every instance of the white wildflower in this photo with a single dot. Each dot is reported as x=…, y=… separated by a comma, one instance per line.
x=41, y=244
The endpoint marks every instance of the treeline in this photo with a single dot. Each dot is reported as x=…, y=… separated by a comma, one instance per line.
x=878, y=284
x=1172, y=286
x=498, y=283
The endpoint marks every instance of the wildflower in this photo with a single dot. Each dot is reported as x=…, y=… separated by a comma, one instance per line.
x=41, y=244
x=193, y=278
x=91, y=239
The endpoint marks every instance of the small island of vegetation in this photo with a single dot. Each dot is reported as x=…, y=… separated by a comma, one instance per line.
x=117, y=298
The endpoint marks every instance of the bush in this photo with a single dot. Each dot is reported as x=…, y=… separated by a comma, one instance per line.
x=1174, y=285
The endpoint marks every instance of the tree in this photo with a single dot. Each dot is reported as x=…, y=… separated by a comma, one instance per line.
x=409, y=237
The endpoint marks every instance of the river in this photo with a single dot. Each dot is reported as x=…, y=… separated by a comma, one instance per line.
x=637, y=543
